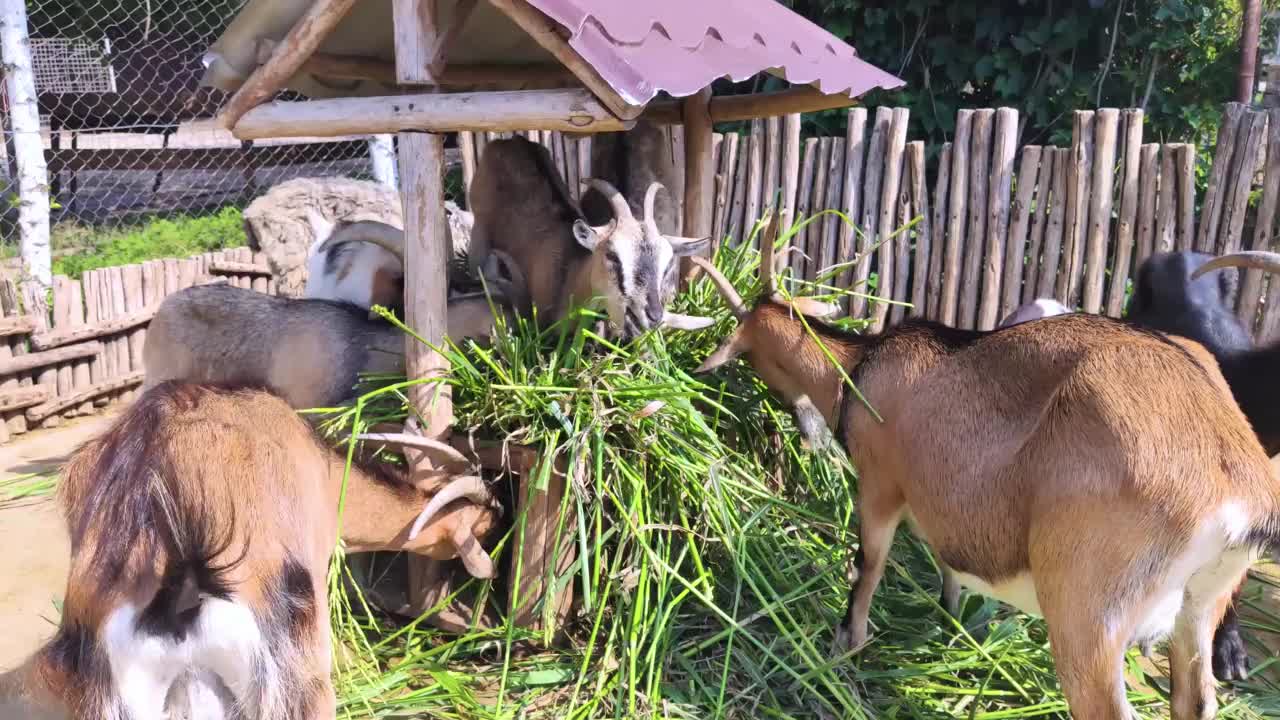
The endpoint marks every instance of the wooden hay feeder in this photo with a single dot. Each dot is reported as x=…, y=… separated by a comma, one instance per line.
x=420, y=68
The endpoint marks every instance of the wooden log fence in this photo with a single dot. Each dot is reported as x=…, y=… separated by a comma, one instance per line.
x=84, y=350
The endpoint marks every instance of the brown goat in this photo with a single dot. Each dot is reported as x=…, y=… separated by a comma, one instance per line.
x=202, y=524
x=1073, y=466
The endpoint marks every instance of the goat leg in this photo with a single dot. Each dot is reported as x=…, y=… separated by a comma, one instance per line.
x=1230, y=657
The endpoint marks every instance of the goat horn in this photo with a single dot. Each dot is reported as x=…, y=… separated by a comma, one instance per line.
x=385, y=236
x=621, y=210
x=722, y=284
x=650, y=196
x=416, y=441
x=470, y=487
x=1256, y=259
x=473, y=556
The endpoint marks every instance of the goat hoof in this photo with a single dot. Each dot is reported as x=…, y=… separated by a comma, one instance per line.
x=1230, y=658
x=843, y=642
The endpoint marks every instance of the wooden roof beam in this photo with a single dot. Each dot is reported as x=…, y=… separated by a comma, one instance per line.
x=303, y=39
x=574, y=110
x=730, y=108
x=546, y=32
x=354, y=67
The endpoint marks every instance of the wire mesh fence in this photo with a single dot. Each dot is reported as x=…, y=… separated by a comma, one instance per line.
x=117, y=83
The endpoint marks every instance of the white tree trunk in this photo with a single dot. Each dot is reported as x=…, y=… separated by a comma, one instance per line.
x=382, y=154
x=24, y=117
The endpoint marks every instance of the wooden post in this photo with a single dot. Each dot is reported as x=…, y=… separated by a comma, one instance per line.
x=868, y=224
x=1016, y=246
x=979, y=189
x=924, y=230
x=24, y=119
x=790, y=162
x=855, y=147
x=933, y=283
x=1264, y=231
x=948, y=309
x=1150, y=174
x=1125, y=228
x=700, y=172
x=814, y=236
x=1004, y=146
x=1211, y=208
x=1185, y=162
x=804, y=202
x=1039, y=223
x=895, y=147
x=1106, y=129
x=1167, y=209
x=831, y=224
x=755, y=176
x=1052, y=264
x=1079, y=173
x=724, y=179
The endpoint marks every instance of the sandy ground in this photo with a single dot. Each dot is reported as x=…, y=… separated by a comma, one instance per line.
x=33, y=563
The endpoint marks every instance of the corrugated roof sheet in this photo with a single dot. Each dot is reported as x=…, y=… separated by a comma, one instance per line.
x=641, y=47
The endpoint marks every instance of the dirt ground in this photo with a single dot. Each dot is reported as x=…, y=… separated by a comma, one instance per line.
x=33, y=562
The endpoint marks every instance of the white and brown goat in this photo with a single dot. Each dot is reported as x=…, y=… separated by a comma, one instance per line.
x=202, y=524
x=523, y=207
x=1075, y=467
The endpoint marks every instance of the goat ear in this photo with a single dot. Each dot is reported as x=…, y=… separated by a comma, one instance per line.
x=815, y=308
x=683, y=246
x=732, y=347
x=686, y=322
x=586, y=235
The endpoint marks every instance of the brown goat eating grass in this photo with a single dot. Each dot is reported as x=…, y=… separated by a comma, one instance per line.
x=202, y=524
x=1074, y=466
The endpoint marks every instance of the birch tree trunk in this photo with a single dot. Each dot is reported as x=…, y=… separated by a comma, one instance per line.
x=382, y=158
x=24, y=115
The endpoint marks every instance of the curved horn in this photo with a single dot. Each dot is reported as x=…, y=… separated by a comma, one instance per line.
x=722, y=284
x=417, y=442
x=621, y=210
x=1256, y=259
x=650, y=196
x=385, y=236
x=470, y=487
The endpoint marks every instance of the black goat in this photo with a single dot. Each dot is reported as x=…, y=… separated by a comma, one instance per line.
x=1188, y=294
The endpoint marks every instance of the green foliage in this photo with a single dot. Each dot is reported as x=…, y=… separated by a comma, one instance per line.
x=1176, y=58
x=179, y=237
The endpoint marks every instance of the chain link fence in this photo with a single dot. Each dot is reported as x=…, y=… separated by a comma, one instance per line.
x=118, y=88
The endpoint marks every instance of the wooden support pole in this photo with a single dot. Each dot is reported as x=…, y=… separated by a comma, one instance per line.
x=1106, y=131
x=1004, y=145
x=933, y=283
x=1127, y=226
x=979, y=193
x=564, y=110
x=1264, y=230
x=24, y=120
x=700, y=173
x=1079, y=174
x=1250, y=25
x=1016, y=247
x=303, y=39
x=957, y=205
x=548, y=33
x=790, y=162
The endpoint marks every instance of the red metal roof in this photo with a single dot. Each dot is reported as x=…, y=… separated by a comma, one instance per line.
x=641, y=47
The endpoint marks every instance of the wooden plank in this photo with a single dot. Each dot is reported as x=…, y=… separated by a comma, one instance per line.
x=1039, y=222
x=1264, y=229
x=933, y=283
x=790, y=162
x=979, y=190
x=738, y=209
x=1004, y=147
x=1126, y=224
x=1184, y=161
x=902, y=243
x=1150, y=182
x=755, y=175
x=16, y=398
x=804, y=204
x=34, y=303
x=17, y=325
x=895, y=148
x=816, y=232
x=1016, y=248
x=1249, y=143
x=1219, y=179
x=959, y=198
x=187, y=271
x=119, y=305
x=855, y=148
x=124, y=382
x=1166, y=211
x=303, y=39
x=1051, y=264
x=772, y=159
x=832, y=223
x=1079, y=174
x=31, y=361
x=82, y=372
x=111, y=326
x=869, y=224
x=13, y=347
x=61, y=319
x=132, y=276
x=724, y=185
x=1101, y=199
x=924, y=229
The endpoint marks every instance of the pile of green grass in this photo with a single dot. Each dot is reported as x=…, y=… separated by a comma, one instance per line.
x=711, y=560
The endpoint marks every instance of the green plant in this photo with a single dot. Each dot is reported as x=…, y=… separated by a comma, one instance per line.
x=711, y=554
x=177, y=237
